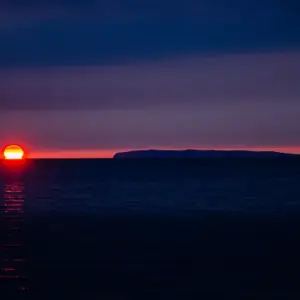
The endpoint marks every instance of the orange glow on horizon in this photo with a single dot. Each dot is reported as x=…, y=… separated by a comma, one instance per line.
x=13, y=152
x=58, y=153
x=109, y=153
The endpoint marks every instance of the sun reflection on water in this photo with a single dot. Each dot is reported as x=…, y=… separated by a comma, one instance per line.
x=13, y=278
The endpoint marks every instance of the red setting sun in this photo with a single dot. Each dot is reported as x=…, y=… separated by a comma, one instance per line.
x=13, y=152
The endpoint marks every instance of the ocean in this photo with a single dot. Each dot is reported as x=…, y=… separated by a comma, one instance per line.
x=150, y=229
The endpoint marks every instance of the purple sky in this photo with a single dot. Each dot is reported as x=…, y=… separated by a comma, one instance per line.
x=81, y=96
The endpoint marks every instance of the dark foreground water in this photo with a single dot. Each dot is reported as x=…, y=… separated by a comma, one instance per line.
x=166, y=229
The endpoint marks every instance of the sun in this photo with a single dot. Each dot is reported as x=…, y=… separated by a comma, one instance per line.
x=13, y=152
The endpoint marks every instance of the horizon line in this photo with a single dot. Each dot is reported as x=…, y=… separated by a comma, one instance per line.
x=107, y=154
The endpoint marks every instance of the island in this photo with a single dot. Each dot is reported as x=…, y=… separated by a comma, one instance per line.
x=190, y=153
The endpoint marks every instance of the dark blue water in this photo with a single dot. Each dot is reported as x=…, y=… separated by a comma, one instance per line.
x=165, y=229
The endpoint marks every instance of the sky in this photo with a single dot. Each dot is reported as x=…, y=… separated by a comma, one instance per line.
x=88, y=78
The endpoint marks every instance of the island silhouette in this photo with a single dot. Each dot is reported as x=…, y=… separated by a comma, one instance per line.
x=191, y=153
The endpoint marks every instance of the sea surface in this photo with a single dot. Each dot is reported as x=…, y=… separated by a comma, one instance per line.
x=150, y=229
